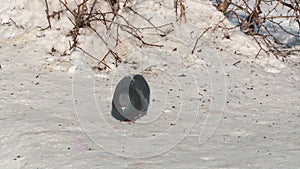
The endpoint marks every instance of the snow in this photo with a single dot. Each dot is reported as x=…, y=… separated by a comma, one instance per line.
x=217, y=108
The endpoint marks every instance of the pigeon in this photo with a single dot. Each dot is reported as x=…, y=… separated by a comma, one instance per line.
x=131, y=98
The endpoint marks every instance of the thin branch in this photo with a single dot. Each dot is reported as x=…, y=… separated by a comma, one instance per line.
x=48, y=16
x=200, y=38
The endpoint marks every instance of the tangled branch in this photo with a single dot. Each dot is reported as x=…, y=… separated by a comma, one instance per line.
x=263, y=21
x=86, y=16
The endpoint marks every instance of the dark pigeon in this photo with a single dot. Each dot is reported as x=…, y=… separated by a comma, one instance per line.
x=131, y=98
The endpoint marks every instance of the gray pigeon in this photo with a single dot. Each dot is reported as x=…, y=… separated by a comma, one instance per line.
x=131, y=98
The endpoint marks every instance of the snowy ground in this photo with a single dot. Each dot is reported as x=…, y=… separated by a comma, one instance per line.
x=217, y=108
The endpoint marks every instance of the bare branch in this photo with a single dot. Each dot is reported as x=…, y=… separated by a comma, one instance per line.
x=200, y=38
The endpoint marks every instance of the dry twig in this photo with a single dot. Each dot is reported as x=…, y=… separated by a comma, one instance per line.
x=200, y=38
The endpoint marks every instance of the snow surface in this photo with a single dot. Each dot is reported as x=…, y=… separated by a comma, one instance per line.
x=217, y=108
